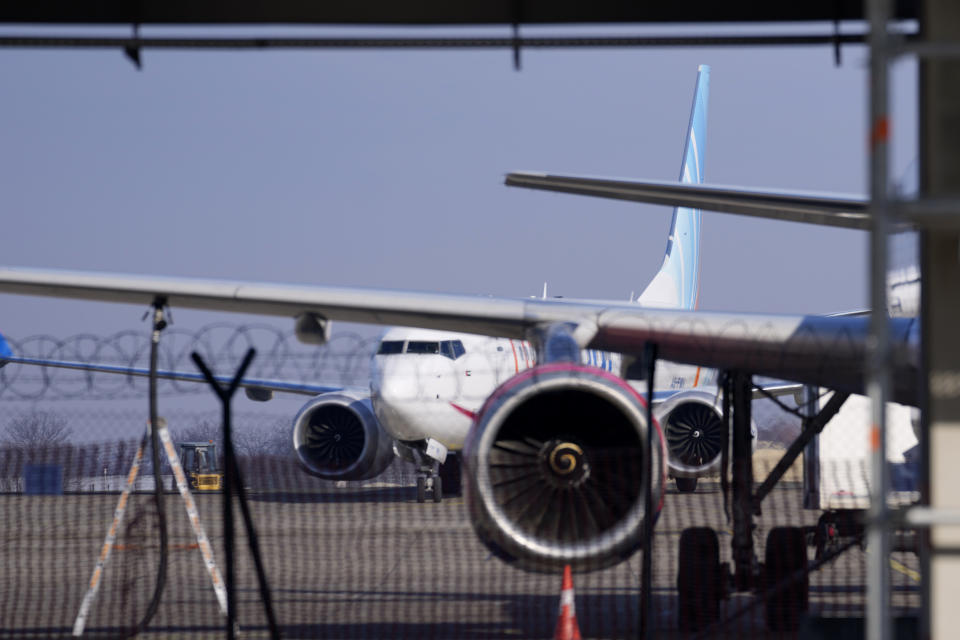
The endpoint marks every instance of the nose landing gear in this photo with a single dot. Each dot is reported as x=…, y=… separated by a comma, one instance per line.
x=429, y=480
x=437, y=470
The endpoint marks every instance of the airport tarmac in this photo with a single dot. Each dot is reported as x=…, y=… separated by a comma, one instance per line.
x=368, y=563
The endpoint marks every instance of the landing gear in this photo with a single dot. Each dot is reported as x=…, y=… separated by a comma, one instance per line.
x=686, y=485
x=450, y=474
x=429, y=480
x=431, y=475
x=782, y=580
x=785, y=570
x=438, y=478
x=699, y=579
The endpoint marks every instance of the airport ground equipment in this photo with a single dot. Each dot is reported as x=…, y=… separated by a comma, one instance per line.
x=203, y=543
x=200, y=463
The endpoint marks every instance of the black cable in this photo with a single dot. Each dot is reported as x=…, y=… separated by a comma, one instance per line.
x=158, y=325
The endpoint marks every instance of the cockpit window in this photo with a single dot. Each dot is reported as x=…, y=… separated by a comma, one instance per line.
x=453, y=349
x=418, y=346
x=389, y=347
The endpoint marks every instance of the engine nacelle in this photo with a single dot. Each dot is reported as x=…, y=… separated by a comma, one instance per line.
x=553, y=467
x=337, y=437
x=692, y=423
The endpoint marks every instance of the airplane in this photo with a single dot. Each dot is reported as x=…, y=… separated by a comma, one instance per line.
x=427, y=386
x=551, y=457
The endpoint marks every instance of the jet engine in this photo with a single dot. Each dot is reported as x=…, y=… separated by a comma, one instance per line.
x=337, y=437
x=692, y=422
x=553, y=469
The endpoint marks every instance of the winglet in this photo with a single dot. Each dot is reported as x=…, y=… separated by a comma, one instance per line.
x=677, y=284
x=5, y=350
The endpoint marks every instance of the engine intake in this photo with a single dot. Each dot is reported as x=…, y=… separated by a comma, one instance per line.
x=692, y=422
x=337, y=437
x=554, y=469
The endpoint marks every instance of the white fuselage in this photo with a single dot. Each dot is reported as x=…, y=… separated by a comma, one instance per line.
x=430, y=384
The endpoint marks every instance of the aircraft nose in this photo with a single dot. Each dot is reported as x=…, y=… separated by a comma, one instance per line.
x=394, y=381
x=403, y=379
x=398, y=394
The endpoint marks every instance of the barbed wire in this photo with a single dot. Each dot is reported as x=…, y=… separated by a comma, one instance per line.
x=344, y=360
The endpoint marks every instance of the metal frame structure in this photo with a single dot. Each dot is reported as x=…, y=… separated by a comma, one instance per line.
x=879, y=359
x=937, y=215
x=436, y=12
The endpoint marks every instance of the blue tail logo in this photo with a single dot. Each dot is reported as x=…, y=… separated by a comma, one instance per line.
x=677, y=284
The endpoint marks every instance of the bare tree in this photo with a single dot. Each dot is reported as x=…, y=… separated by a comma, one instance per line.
x=201, y=431
x=38, y=429
x=272, y=439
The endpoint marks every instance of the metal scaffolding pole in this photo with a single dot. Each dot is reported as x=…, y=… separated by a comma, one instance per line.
x=879, y=360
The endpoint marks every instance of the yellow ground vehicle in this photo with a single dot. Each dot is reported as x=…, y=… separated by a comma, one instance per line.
x=200, y=464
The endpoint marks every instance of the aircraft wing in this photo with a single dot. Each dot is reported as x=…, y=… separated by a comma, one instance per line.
x=835, y=210
x=824, y=351
x=255, y=386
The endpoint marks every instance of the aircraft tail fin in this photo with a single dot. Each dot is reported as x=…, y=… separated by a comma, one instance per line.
x=677, y=284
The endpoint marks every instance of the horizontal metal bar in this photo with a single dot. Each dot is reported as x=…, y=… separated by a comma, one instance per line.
x=930, y=516
x=927, y=50
x=96, y=42
x=928, y=212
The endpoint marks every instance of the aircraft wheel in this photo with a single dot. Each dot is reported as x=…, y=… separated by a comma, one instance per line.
x=686, y=485
x=421, y=489
x=786, y=555
x=699, y=580
x=450, y=472
x=437, y=489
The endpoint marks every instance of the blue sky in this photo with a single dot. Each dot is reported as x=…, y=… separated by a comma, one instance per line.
x=385, y=168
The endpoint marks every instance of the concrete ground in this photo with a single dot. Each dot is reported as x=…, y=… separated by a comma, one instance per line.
x=370, y=563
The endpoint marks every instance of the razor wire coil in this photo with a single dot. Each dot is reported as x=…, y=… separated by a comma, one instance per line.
x=344, y=360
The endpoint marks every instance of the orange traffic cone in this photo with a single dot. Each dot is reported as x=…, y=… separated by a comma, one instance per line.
x=567, y=628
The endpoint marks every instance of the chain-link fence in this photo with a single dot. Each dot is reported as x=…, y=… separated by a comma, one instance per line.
x=368, y=559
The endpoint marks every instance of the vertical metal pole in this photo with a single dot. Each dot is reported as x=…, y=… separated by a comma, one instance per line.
x=726, y=387
x=744, y=559
x=228, y=530
x=939, y=123
x=811, y=453
x=229, y=534
x=646, y=573
x=879, y=361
